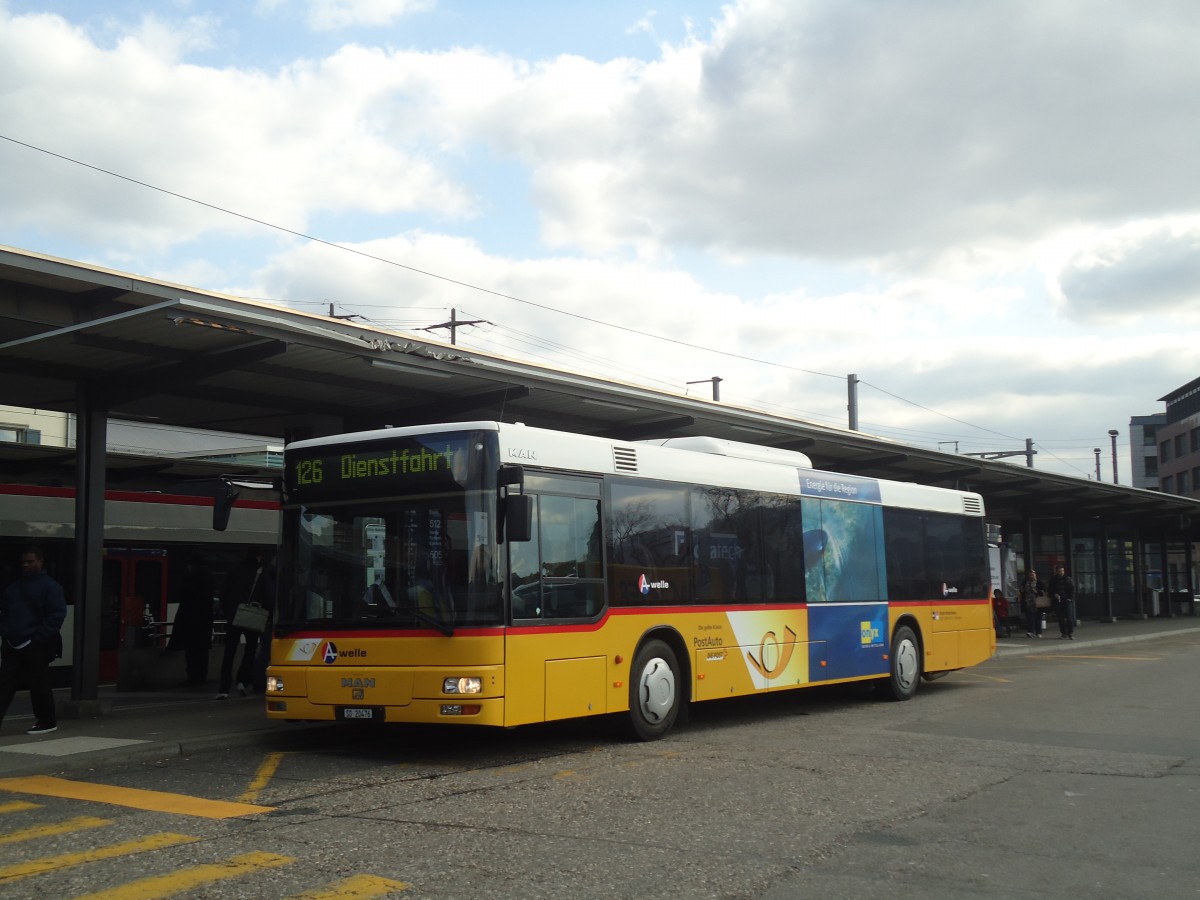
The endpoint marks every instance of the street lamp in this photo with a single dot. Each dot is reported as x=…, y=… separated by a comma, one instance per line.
x=1096, y=450
x=1112, y=433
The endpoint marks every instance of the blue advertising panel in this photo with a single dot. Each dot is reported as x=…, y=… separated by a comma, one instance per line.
x=850, y=637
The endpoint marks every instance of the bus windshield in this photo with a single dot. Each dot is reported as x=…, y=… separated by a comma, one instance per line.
x=419, y=560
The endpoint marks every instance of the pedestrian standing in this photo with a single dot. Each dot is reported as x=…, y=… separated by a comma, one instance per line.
x=1030, y=591
x=1062, y=592
x=32, y=611
x=267, y=595
x=243, y=584
x=193, y=626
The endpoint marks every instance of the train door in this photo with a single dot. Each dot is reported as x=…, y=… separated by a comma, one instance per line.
x=134, y=596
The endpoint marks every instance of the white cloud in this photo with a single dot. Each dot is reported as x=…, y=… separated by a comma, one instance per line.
x=1149, y=268
x=851, y=130
x=334, y=15
x=1000, y=193
x=276, y=147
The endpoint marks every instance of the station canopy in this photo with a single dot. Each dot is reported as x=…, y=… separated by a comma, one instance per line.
x=149, y=351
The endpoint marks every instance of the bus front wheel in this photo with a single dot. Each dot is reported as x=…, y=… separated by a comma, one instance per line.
x=905, y=675
x=653, y=691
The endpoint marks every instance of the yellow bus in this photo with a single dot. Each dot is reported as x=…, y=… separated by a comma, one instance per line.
x=493, y=574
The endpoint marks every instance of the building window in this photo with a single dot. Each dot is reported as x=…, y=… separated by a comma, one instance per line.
x=19, y=434
x=1196, y=478
x=1194, y=440
x=1151, y=467
x=1149, y=435
x=1179, y=445
x=1164, y=451
x=1167, y=484
x=1181, y=482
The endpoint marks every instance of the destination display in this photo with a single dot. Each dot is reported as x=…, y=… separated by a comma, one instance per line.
x=403, y=466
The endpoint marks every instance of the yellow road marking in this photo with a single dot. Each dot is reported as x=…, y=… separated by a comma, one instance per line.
x=988, y=677
x=1085, y=656
x=155, y=801
x=18, y=806
x=262, y=777
x=65, y=860
x=76, y=824
x=358, y=886
x=185, y=879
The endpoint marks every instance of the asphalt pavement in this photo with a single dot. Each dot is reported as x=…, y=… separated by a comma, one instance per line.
x=161, y=724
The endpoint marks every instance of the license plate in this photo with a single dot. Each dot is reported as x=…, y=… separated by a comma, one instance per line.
x=352, y=713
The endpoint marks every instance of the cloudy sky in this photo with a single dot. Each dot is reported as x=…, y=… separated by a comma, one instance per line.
x=989, y=210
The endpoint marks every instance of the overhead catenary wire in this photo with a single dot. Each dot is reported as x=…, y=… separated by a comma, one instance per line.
x=470, y=286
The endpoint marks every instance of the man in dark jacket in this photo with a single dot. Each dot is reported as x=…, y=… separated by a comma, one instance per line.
x=1062, y=592
x=32, y=610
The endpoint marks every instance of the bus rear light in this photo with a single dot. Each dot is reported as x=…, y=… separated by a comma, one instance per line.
x=462, y=686
x=460, y=709
x=274, y=684
x=277, y=706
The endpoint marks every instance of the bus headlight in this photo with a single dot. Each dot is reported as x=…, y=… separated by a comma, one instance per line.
x=468, y=685
x=274, y=684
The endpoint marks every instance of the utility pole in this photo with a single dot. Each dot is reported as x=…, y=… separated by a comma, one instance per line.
x=346, y=318
x=1028, y=453
x=454, y=324
x=1096, y=450
x=1112, y=433
x=852, y=400
x=716, y=381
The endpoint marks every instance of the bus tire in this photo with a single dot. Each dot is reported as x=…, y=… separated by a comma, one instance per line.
x=653, y=691
x=905, y=663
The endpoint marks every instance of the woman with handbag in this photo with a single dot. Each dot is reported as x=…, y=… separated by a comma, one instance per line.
x=244, y=585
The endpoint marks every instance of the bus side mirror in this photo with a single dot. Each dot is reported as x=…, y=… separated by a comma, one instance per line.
x=223, y=501
x=518, y=517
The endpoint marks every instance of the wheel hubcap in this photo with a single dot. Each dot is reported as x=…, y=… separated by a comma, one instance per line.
x=906, y=664
x=657, y=690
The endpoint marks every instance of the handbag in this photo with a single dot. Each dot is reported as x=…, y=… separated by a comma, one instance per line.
x=250, y=617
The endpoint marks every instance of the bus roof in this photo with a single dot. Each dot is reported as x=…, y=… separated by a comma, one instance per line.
x=701, y=460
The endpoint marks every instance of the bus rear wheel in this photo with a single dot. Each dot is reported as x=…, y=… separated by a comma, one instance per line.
x=905, y=662
x=653, y=691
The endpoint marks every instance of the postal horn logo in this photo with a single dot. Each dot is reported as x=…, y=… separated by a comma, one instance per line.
x=329, y=653
x=773, y=654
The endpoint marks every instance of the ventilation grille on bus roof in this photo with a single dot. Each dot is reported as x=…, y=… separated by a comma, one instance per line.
x=973, y=506
x=625, y=459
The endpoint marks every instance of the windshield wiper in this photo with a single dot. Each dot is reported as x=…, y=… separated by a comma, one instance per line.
x=447, y=630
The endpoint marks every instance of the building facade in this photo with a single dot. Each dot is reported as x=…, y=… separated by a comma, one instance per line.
x=1143, y=450
x=1179, y=442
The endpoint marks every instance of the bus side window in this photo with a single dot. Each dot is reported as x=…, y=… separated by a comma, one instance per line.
x=571, y=571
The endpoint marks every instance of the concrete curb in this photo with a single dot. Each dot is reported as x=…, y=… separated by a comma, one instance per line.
x=1055, y=644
